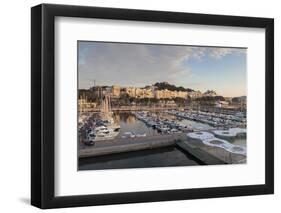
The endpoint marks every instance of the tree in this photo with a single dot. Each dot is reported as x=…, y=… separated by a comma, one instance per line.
x=166, y=85
x=235, y=100
x=179, y=101
x=124, y=99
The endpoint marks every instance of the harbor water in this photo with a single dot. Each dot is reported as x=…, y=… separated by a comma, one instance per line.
x=129, y=123
x=161, y=157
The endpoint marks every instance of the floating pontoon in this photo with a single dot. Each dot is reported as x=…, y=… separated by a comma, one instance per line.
x=231, y=133
x=210, y=140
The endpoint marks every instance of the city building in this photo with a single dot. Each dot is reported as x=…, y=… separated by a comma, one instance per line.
x=195, y=94
x=131, y=91
x=99, y=91
x=144, y=93
x=115, y=91
x=239, y=101
x=84, y=105
x=159, y=94
x=221, y=104
x=209, y=93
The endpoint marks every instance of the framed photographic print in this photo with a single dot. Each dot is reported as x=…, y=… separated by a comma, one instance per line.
x=139, y=106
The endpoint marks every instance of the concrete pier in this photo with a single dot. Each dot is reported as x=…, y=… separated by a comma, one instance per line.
x=211, y=155
x=201, y=154
x=207, y=154
x=128, y=144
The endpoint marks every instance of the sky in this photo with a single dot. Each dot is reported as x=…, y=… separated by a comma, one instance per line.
x=129, y=64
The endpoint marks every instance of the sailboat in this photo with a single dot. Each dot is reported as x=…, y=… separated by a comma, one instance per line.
x=109, y=129
x=107, y=114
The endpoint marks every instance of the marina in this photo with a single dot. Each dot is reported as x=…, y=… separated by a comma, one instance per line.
x=123, y=121
x=145, y=123
x=210, y=138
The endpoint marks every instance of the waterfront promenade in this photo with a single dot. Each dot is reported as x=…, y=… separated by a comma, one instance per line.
x=120, y=145
x=229, y=111
x=205, y=154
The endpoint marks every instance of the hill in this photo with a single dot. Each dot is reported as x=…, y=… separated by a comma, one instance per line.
x=171, y=87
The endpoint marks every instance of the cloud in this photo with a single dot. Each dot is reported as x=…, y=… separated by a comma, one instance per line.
x=136, y=64
x=218, y=53
x=112, y=63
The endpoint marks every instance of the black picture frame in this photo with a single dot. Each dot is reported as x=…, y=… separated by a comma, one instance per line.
x=43, y=102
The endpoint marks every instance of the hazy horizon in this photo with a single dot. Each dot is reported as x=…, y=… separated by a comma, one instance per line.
x=195, y=67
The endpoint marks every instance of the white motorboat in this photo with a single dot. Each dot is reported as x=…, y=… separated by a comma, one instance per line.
x=109, y=129
x=128, y=135
x=141, y=135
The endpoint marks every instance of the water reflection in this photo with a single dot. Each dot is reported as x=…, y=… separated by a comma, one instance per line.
x=161, y=157
x=129, y=123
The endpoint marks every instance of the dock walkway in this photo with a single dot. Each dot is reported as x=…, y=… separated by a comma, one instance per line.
x=128, y=144
x=206, y=154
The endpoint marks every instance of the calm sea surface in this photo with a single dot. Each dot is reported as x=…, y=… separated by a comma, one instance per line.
x=129, y=123
x=162, y=157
